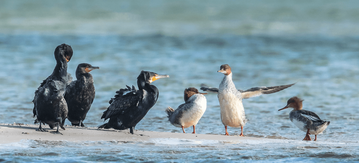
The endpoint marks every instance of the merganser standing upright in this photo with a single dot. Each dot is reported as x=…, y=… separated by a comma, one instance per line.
x=230, y=99
x=305, y=120
x=189, y=113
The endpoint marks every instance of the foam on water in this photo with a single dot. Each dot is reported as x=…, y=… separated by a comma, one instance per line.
x=179, y=150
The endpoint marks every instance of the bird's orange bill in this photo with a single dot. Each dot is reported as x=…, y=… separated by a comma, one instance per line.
x=283, y=108
x=221, y=71
x=159, y=77
x=203, y=93
x=68, y=58
x=88, y=69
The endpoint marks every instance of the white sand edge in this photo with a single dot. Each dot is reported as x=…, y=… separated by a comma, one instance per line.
x=10, y=133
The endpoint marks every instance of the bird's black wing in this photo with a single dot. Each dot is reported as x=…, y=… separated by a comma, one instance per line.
x=70, y=90
x=36, y=93
x=310, y=115
x=256, y=91
x=205, y=87
x=124, y=100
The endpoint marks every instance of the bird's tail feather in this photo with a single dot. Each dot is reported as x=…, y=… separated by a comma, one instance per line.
x=169, y=111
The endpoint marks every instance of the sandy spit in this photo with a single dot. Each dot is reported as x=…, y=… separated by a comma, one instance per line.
x=10, y=133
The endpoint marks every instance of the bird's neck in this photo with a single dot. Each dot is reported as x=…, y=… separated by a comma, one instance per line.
x=60, y=69
x=86, y=77
x=227, y=82
x=150, y=95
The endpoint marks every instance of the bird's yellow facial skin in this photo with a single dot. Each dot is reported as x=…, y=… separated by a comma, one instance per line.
x=154, y=78
x=87, y=69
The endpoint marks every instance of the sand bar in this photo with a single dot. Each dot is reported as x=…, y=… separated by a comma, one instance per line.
x=10, y=133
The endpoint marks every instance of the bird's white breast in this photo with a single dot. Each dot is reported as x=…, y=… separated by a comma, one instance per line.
x=299, y=124
x=191, y=116
x=232, y=111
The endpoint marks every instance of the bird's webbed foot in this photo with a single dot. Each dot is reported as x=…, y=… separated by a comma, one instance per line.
x=41, y=129
x=56, y=132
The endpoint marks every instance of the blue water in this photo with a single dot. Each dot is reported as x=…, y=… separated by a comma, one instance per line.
x=311, y=43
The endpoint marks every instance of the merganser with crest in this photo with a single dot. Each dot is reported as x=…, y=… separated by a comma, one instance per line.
x=130, y=105
x=189, y=113
x=305, y=120
x=230, y=99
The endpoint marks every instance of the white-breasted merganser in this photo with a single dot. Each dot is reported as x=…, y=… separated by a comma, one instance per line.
x=230, y=99
x=130, y=105
x=189, y=113
x=305, y=120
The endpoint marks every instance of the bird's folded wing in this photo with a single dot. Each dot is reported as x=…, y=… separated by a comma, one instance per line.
x=256, y=91
x=124, y=100
x=310, y=115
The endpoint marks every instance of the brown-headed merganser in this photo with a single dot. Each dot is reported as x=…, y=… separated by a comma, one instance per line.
x=189, y=113
x=230, y=99
x=305, y=120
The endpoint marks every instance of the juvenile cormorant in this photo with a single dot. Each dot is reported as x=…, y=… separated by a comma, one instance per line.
x=50, y=106
x=189, y=113
x=230, y=99
x=305, y=120
x=80, y=94
x=130, y=105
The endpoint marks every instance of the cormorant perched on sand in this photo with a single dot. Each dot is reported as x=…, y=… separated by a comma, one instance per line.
x=50, y=106
x=130, y=105
x=80, y=94
x=189, y=113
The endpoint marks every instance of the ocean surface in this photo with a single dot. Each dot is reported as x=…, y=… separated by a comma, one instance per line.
x=314, y=44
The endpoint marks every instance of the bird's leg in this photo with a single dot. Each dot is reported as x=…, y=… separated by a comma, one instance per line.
x=82, y=124
x=307, y=137
x=241, y=131
x=61, y=123
x=315, y=138
x=41, y=129
x=58, y=124
x=131, y=130
x=183, y=129
x=57, y=130
x=194, y=129
x=226, y=130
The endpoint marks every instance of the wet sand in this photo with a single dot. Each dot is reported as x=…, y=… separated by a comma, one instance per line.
x=10, y=133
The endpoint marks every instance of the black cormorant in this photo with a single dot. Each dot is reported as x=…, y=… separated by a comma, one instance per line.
x=130, y=105
x=50, y=106
x=80, y=94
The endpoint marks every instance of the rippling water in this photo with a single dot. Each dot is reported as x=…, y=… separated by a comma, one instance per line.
x=266, y=44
